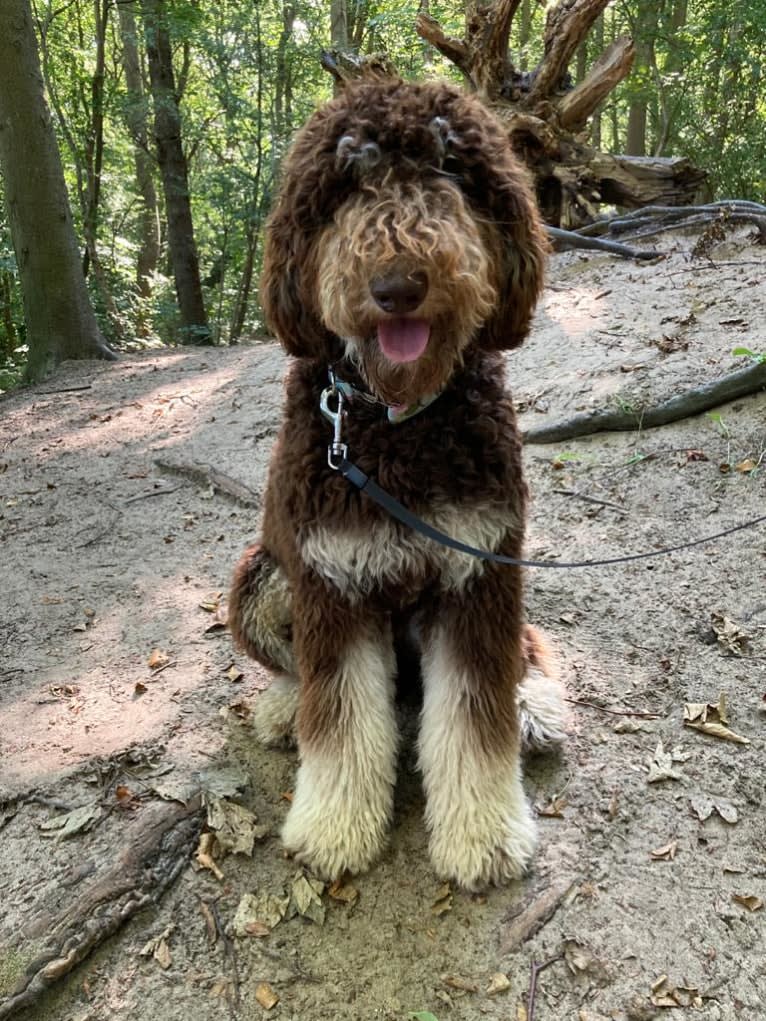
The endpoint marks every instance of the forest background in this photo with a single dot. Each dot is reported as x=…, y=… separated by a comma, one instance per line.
x=233, y=79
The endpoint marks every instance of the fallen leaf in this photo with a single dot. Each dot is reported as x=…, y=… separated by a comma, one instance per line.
x=661, y=766
x=498, y=983
x=234, y=674
x=746, y=466
x=259, y=909
x=749, y=901
x=581, y=959
x=729, y=634
x=454, y=982
x=259, y=929
x=158, y=659
x=212, y=602
x=701, y=806
x=666, y=995
x=344, y=892
x=306, y=898
x=443, y=902
x=210, y=926
x=162, y=955
x=266, y=996
x=223, y=782
x=158, y=948
x=178, y=789
x=79, y=820
x=235, y=826
x=712, y=719
x=204, y=854
x=139, y=689
x=727, y=812
x=666, y=853
x=554, y=809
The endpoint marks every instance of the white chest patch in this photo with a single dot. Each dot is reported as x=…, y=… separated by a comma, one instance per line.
x=360, y=561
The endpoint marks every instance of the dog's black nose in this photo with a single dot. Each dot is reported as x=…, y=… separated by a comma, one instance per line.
x=399, y=293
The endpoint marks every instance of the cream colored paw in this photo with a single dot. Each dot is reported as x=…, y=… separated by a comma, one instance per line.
x=332, y=838
x=485, y=851
x=274, y=713
x=543, y=714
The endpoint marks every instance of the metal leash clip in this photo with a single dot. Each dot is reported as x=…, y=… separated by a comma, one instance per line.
x=336, y=451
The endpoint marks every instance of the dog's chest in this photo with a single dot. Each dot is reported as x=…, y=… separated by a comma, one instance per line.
x=385, y=556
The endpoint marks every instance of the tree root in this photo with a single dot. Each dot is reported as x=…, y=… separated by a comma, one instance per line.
x=161, y=840
x=701, y=398
x=564, y=239
x=650, y=220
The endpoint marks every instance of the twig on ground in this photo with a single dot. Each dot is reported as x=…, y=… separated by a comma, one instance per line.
x=737, y=384
x=151, y=492
x=614, y=712
x=564, y=239
x=65, y=389
x=533, y=973
x=589, y=499
x=535, y=915
x=230, y=954
x=204, y=475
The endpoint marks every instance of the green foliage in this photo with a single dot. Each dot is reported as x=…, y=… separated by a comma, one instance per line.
x=249, y=74
x=745, y=352
x=423, y=1015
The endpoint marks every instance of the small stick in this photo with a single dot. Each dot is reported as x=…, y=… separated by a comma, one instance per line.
x=534, y=972
x=152, y=492
x=65, y=390
x=590, y=499
x=615, y=712
x=229, y=953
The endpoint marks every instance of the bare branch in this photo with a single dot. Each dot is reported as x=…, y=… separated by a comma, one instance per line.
x=565, y=29
x=610, y=68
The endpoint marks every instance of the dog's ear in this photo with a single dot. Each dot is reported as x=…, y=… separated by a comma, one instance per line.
x=311, y=189
x=500, y=188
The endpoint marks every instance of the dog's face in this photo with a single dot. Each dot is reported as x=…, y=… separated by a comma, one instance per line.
x=405, y=231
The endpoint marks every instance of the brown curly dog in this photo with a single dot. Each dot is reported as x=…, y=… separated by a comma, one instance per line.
x=406, y=251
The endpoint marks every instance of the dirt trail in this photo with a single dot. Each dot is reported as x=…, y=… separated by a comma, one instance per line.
x=106, y=557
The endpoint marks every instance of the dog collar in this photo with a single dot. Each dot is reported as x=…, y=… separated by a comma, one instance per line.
x=395, y=413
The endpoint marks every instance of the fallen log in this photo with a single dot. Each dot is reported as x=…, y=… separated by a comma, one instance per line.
x=159, y=843
x=693, y=402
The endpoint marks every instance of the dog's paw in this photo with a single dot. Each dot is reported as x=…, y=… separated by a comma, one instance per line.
x=274, y=714
x=543, y=714
x=334, y=825
x=329, y=844
x=478, y=851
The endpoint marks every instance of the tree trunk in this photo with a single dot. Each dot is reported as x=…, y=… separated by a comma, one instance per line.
x=175, y=177
x=59, y=317
x=135, y=116
x=546, y=113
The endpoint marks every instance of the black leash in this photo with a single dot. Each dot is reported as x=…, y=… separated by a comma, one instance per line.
x=338, y=460
x=384, y=499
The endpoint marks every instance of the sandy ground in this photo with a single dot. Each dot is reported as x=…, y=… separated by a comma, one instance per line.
x=107, y=557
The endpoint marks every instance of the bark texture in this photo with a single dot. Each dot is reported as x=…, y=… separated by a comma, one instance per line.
x=57, y=310
x=135, y=115
x=175, y=176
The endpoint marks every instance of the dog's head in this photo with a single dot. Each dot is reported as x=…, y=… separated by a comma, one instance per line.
x=404, y=231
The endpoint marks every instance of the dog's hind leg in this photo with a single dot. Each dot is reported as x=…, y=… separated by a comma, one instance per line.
x=481, y=827
x=542, y=711
x=347, y=736
x=260, y=618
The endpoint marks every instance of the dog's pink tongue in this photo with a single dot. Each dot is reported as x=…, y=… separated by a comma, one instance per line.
x=403, y=340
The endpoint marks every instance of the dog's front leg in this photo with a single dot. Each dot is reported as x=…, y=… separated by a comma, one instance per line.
x=481, y=827
x=346, y=734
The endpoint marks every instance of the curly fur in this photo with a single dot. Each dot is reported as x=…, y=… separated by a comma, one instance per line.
x=405, y=182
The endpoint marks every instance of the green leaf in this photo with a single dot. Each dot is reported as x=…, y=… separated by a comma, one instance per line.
x=423, y=1015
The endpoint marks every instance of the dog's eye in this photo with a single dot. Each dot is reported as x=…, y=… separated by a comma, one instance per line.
x=445, y=138
x=362, y=155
